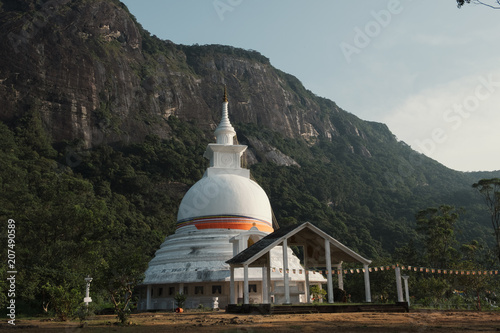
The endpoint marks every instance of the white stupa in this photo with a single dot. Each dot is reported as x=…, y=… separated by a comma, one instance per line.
x=221, y=215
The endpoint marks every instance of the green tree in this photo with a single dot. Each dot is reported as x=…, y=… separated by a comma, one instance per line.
x=495, y=4
x=64, y=299
x=317, y=293
x=473, y=285
x=125, y=270
x=437, y=227
x=430, y=290
x=490, y=190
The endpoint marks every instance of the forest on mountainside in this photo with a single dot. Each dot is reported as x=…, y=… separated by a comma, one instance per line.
x=106, y=215
x=102, y=206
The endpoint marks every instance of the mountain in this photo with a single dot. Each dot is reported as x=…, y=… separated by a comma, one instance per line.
x=92, y=101
x=89, y=64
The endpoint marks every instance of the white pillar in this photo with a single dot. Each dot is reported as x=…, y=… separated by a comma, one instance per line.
x=328, y=271
x=148, y=297
x=269, y=283
x=243, y=243
x=245, y=285
x=240, y=290
x=340, y=277
x=368, y=293
x=265, y=293
x=87, y=298
x=398, y=284
x=232, y=294
x=236, y=247
x=273, y=291
x=306, y=274
x=285, y=273
x=407, y=291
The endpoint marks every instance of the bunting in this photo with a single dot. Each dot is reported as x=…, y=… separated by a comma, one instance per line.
x=390, y=267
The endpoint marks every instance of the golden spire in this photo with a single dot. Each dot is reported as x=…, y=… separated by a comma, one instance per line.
x=225, y=94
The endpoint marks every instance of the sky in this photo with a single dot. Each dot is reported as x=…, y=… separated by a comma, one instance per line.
x=427, y=69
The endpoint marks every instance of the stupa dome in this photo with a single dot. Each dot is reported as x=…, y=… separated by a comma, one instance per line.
x=226, y=197
x=226, y=201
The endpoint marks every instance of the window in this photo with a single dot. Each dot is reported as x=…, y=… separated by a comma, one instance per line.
x=160, y=292
x=171, y=291
x=252, y=288
x=185, y=290
x=216, y=290
x=198, y=290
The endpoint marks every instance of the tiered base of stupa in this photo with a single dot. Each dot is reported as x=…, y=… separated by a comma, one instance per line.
x=192, y=262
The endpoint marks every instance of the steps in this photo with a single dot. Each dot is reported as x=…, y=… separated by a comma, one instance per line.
x=319, y=308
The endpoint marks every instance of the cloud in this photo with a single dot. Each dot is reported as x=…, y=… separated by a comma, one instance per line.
x=455, y=123
x=442, y=40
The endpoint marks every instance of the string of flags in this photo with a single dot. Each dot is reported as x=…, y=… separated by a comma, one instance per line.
x=390, y=267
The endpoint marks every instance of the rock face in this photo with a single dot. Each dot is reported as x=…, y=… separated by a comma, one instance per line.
x=96, y=76
x=72, y=61
x=270, y=153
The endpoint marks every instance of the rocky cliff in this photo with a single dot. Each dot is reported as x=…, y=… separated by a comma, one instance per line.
x=96, y=76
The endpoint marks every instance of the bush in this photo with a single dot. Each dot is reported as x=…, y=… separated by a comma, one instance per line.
x=123, y=315
x=63, y=300
x=317, y=293
x=83, y=312
x=180, y=299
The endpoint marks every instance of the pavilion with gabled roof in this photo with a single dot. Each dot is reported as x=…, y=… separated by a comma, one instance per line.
x=320, y=251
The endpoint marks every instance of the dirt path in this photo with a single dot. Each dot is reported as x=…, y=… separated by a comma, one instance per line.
x=428, y=321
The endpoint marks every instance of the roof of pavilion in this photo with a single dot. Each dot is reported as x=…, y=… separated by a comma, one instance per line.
x=304, y=234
